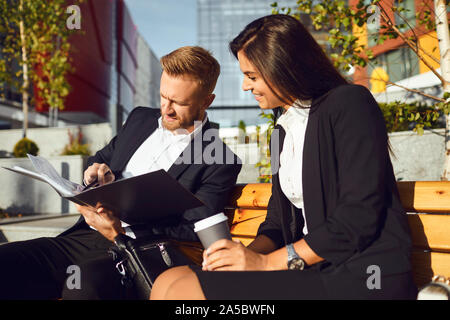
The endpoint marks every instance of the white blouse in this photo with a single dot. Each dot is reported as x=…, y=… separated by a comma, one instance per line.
x=294, y=122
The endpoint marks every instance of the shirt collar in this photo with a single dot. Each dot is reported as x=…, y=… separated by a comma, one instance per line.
x=298, y=110
x=302, y=103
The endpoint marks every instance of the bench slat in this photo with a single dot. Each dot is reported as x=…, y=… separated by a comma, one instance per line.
x=246, y=222
x=245, y=241
x=427, y=264
x=425, y=196
x=252, y=195
x=246, y=211
x=430, y=231
x=416, y=196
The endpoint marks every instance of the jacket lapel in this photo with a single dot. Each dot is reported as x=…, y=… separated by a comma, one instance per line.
x=192, y=154
x=311, y=173
x=134, y=143
x=281, y=202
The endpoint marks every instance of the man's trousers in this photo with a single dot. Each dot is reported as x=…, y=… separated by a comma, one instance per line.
x=73, y=266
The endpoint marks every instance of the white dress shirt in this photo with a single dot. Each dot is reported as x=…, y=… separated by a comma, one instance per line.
x=159, y=151
x=294, y=122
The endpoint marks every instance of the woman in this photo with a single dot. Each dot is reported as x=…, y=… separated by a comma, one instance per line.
x=335, y=227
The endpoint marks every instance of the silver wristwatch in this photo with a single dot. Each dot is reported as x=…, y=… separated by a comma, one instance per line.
x=295, y=262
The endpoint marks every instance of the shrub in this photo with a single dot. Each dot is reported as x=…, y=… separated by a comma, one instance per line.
x=75, y=145
x=242, y=126
x=400, y=116
x=25, y=146
x=265, y=172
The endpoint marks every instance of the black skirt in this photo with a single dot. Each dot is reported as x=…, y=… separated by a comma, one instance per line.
x=309, y=284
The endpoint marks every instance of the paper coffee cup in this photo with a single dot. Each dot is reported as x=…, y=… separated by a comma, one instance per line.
x=213, y=228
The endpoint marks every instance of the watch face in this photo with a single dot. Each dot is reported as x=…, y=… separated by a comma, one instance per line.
x=296, y=264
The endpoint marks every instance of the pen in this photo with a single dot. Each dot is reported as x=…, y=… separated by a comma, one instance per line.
x=93, y=183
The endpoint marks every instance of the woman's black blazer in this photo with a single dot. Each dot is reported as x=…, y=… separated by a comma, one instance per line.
x=353, y=212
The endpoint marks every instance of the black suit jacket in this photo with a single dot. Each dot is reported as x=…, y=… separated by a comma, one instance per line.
x=351, y=202
x=211, y=181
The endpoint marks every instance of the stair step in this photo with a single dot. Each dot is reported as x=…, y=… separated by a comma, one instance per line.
x=26, y=228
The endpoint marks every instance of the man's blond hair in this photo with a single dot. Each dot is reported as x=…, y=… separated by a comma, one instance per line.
x=194, y=62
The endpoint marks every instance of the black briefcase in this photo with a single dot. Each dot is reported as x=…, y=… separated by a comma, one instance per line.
x=141, y=261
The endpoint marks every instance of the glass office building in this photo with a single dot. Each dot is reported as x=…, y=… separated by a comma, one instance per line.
x=219, y=21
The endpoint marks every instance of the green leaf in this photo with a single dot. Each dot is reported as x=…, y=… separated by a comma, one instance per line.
x=346, y=21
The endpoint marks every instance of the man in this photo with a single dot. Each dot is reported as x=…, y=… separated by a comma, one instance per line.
x=172, y=140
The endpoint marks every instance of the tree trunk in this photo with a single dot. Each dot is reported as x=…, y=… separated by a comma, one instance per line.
x=25, y=84
x=444, y=48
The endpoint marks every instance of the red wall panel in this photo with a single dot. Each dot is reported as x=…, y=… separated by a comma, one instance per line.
x=91, y=58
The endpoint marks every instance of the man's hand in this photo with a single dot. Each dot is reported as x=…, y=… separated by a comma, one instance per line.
x=103, y=220
x=226, y=255
x=98, y=171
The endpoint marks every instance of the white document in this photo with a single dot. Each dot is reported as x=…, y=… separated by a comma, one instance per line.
x=47, y=173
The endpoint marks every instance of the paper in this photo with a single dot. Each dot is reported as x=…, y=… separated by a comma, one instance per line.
x=144, y=198
x=47, y=173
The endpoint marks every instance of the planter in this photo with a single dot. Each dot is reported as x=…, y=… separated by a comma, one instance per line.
x=418, y=158
x=51, y=141
x=249, y=155
x=21, y=194
x=415, y=158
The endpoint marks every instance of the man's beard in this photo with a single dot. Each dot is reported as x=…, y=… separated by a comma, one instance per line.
x=173, y=125
x=181, y=124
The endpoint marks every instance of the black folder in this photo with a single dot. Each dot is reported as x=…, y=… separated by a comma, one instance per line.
x=141, y=199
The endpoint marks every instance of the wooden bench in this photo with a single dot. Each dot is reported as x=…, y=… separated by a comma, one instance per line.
x=427, y=204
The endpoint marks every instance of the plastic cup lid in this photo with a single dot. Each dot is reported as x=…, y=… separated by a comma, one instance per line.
x=210, y=221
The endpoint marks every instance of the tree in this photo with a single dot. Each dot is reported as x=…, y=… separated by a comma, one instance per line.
x=344, y=24
x=35, y=51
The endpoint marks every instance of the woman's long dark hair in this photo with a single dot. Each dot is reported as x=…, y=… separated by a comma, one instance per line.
x=287, y=57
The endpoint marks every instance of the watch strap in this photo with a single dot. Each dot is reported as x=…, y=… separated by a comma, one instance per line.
x=291, y=252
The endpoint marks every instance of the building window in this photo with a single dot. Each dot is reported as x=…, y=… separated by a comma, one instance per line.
x=373, y=28
x=399, y=64
x=407, y=18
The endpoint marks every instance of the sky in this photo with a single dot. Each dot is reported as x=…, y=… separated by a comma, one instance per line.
x=165, y=24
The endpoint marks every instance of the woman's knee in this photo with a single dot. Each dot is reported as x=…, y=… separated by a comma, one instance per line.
x=186, y=287
x=166, y=279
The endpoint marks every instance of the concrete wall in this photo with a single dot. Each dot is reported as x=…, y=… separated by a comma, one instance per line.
x=21, y=194
x=415, y=158
x=51, y=141
x=250, y=155
x=418, y=158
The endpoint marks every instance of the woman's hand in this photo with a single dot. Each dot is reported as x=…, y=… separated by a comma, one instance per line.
x=226, y=255
x=103, y=220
